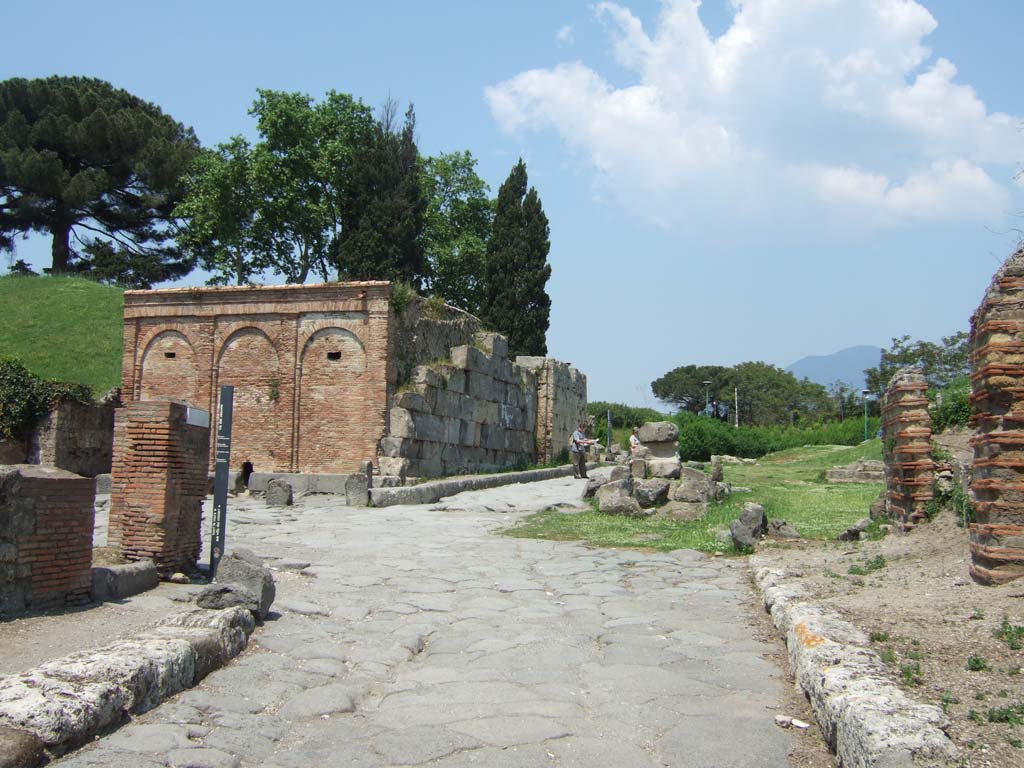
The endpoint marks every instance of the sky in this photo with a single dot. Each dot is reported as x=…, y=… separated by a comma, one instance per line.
x=725, y=181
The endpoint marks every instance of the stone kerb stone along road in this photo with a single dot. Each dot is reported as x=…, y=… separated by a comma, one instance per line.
x=412, y=635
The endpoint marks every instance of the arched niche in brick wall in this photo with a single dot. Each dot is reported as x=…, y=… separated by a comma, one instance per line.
x=249, y=361
x=168, y=369
x=333, y=403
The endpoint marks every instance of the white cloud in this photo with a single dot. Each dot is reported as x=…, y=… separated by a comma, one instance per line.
x=831, y=104
x=565, y=34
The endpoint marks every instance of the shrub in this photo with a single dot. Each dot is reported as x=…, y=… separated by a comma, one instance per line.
x=25, y=398
x=955, y=409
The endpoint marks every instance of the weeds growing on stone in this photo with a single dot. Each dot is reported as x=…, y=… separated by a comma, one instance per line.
x=888, y=655
x=911, y=673
x=976, y=663
x=1011, y=634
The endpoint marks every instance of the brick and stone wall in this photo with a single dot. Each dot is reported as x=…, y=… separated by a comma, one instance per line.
x=158, y=484
x=46, y=522
x=909, y=469
x=474, y=412
x=997, y=384
x=309, y=363
x=78, y=437
x=561, y=403
x=426, y=331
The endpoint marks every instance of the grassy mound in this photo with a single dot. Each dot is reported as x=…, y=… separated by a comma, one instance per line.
x=64, y=328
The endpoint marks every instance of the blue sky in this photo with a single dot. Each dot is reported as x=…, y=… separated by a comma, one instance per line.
x=754, y=180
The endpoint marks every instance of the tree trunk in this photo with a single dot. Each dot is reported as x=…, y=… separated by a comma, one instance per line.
x=61, y=250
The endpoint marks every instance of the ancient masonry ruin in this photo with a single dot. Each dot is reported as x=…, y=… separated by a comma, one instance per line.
x=997, y=384
x=909, y=469
x=328, y=376
x=159, y=481
x=46, y=522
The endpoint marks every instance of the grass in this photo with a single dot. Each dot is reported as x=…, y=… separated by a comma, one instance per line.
x=64, y=328
x=876, y=563
x=1011, y=634
x=787, y=483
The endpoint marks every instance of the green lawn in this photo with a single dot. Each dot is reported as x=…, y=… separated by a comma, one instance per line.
x=63, y=328
x=787, y=483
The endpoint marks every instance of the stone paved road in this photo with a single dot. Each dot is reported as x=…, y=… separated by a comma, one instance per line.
x=417, y=637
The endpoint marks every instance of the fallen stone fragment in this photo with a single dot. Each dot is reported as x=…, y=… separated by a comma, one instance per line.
x=279, y=493
x=242, y=567
x=617, y=499
x=693, y=486
x=783, y=721
x=219, y=596
x=855, y=531
x=781, y=529
x=683, y=510
x=749, y=527
x=19, y=749
x=651, y=493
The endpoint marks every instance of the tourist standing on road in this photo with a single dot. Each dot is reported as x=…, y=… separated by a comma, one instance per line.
x=578, y=449
x=634, y=440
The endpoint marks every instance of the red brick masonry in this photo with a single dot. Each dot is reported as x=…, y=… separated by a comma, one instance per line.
x=46, y=522
x=158, y=484
x=909, y=469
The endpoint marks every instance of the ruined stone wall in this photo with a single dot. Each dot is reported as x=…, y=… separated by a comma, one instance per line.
x=158, y=484
x=997, y=384
x=310, y=365
x=909, y=469
x=426, y=331
x=561, y=404
x=46, y=522
x=78, y=437
x=474, y=412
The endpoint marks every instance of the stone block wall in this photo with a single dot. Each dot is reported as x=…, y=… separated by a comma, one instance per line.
x=909, y=469
x=78, y=437
x=46, y=523
x=561, y=403
x=426, y=331
x=997, y=384
x=474, y=412
x=158, y=484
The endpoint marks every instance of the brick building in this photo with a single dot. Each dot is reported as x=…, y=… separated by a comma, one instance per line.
x=315, y=368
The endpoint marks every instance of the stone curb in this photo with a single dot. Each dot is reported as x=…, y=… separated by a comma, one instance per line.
x=867, y=720
x=115, y=582
x=435, y=490
x=65, y=703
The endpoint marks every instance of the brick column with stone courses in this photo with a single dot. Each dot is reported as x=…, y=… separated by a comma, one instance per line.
x=909, y=469
x=46, y=524
x=158, y=484
x=997, y=384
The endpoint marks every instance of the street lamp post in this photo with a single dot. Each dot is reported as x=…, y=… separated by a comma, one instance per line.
x=865, y=393
x=707, y=398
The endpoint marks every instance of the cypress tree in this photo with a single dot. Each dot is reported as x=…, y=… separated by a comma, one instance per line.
x=516, y=303
x=382, y=220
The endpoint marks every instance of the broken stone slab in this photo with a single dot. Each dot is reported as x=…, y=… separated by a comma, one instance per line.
x=717, y=472
x=20, y=749
x=638, y=468
x=749, y=527
x=684, y=510
x=865, y=718
x=602, y=475
x=856, y=531
x=220, y=596
x=617, y=499
x=658, y=432
x=669, y=468
x=66, y=702
x=279, y=493
x=665, y=450
x=693, y=486
x=651, y=493
x=240, y=568
x=116, y=582
x=781, y=529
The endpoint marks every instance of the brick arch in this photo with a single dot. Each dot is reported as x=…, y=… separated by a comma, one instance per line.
x=167, y=370
x=332, y=402
x=249, y=360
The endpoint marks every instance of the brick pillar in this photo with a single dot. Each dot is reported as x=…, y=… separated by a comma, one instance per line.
x=997, y=384
x=46, y=522
x=158, y=484
x=909, y=469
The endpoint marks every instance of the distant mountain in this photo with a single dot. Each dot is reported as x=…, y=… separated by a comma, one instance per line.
x=846, y=365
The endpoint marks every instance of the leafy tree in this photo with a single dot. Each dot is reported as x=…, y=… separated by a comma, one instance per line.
x=515, y=300
x=941, y=363
x=383, y=217
x=23, y=268
x=304, y=177
x=684, y=387
x=219, y=211
x=84, y=161
x=457, y=226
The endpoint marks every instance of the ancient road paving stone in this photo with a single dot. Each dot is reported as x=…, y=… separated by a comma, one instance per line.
x=415, y=636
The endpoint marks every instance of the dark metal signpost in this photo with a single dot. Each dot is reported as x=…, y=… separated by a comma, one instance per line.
x=218, y=529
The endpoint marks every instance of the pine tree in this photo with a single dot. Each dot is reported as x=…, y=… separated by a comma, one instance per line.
x=516, y=303
x=92, y=164
x=382, y=220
